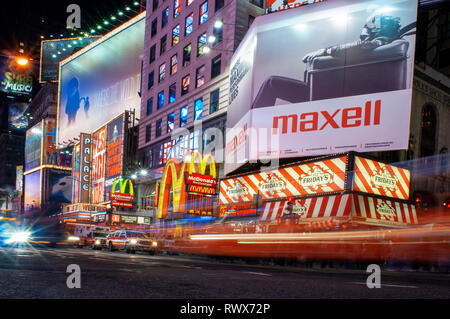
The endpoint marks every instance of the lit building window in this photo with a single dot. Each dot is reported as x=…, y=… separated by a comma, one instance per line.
x=176, y=8
x=198, y=109
x=187, y=55
x=203, y=12
x=201, y=43
x=173, y=64
x=188, y=24
x=176, y=35
x=200, y=76
x=172, y=93
x=160, y=99
x=183, y=115
x=170, y=122
x=162, y=72
x=165, y=17
x=185, y=84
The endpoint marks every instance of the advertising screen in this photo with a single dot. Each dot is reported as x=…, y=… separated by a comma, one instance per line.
x=51, y=155
x=280, y=5
x=58, y=188
x=381, y=179
x=320, y=177
x=54, y=51
x=17, y=120
x=32, y=193
x=16, y=83
x=114, y=152
x=33, y=147
x=98, y=165
x=19, y=178
x=101, y=81
x=340, y=79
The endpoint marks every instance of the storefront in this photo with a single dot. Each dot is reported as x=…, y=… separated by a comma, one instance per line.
x=327, y=191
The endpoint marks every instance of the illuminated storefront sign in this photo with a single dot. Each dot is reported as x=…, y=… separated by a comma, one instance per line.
x=381, y=179
x=85, y=167
x=114, y=151
x=122, y=198
x=76, y=161
x=98, y=165
x=201, y=180
x=16, y=83
x=174, y=179
x=201, y=189
x=319, y=177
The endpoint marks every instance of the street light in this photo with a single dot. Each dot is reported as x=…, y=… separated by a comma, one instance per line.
x=22, y=61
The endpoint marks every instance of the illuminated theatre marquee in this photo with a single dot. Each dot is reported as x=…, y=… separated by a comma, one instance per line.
x=173, y=178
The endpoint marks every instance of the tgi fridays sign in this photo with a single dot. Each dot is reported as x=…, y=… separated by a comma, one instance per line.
x=319, y=177
x=85, y=167
x=381, y=179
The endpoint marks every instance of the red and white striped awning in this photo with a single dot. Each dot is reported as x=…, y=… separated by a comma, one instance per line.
x=317, y=207
x=385, y=210
x=348, y=205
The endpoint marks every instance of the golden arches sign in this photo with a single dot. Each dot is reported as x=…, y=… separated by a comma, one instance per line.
x=173, y=178
x=123, y=185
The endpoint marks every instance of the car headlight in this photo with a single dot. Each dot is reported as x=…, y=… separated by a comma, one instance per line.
x=133, y=241
x=154, y=244
x=73, y=238
x=97, y=242
x=19, y=237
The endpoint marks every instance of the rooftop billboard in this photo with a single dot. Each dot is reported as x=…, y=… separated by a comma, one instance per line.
x=54, y=51
x=101, y=81
x=339, y=79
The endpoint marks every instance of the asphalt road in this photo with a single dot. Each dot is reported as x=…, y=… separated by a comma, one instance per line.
x=42, y=273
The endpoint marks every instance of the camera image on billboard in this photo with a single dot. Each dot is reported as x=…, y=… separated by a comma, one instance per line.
x=339, y=79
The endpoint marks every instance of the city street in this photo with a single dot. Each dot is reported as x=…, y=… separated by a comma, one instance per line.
x=41, y=273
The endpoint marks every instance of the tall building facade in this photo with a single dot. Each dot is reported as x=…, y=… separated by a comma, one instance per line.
x=188, y=48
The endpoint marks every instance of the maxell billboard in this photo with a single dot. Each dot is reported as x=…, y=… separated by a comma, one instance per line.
x=339, y=79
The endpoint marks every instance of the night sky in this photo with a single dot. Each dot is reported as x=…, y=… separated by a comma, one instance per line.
x=26, y=20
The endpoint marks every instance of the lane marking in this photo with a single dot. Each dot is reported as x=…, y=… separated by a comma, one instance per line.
x=386, y=285
x=257, y=273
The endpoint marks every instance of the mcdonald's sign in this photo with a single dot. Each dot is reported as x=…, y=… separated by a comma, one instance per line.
x=119, y=198
x=173, y=178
